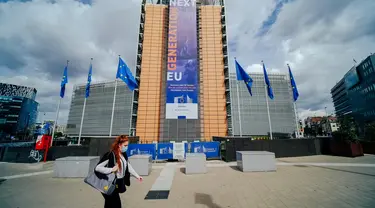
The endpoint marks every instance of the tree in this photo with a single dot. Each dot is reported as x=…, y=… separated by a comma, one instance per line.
x=347, y=130
x=370, y=131
x=58, y=134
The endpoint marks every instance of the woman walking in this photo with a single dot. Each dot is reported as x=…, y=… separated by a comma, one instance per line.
x=116, y=161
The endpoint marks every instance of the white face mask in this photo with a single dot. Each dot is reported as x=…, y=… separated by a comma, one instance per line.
x=124, y=149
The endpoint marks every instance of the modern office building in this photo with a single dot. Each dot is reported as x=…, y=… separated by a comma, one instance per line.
x=184, y=89
x=253, y=109
x=18, y=109
x=340, y=98
x=98, y=112
x=359, y=86
x=182, y=67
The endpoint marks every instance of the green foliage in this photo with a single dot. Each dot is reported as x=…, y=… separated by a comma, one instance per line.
x=347, y=131
x=58, y=134
x=370, y=131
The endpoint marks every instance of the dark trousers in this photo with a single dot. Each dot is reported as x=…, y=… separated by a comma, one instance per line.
x=113, y=200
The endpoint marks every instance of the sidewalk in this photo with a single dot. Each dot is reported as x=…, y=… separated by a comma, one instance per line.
x=222, y=187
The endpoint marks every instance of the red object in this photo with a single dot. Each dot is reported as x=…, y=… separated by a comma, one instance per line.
x=43, y=142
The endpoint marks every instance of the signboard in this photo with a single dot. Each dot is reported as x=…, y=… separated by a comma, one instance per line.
x=211, y=149
x=142, y=149
x=179, y=151
x=182, y=64
x=165, y=151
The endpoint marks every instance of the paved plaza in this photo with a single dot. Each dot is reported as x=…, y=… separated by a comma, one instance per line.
x=316, y=181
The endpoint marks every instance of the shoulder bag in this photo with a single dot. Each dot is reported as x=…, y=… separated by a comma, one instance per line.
x=105, y=185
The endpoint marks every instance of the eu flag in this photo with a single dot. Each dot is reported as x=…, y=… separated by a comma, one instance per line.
x=268, y=83
x=242, y=75
x=124, y=73
x=64, y=81
x=293, y=84
x=88, y=82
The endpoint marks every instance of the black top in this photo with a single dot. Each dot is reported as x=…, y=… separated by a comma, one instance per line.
x=110, y=156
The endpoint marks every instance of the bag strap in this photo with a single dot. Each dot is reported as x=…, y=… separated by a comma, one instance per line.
x=114, y=159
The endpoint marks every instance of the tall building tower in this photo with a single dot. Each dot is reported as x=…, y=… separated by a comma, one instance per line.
x=18, y=110
x=182, y=68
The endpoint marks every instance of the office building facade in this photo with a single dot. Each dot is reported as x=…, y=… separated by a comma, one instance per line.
x=359, y=87
x=98, y=112
x=362, y=92
x=18, y=110
x=185, y=92
x=178, y=37
x=340, y=97
x=252, y=111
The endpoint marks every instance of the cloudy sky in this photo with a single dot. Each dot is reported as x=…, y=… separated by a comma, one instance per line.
x=319, y=39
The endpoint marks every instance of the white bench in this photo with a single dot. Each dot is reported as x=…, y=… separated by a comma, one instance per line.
x=74, y=167
x=142, y=164
x=256, y=161
x=195, y=163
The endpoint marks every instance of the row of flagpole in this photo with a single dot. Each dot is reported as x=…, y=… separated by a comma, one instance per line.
x=123, y=73
x=243, y=75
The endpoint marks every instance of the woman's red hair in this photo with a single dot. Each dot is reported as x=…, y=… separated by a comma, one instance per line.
x=116, y=149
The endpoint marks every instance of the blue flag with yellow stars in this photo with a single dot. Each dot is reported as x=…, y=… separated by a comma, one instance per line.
x=268, y=83
x=124, y=73
x=64, y=81
x=242, y=75
x=293, y=84
x=88, y=82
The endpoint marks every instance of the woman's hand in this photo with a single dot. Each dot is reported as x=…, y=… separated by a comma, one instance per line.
x=140, y=179
x=115, y=169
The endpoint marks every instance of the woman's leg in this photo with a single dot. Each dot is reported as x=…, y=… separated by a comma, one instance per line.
x=113, y=200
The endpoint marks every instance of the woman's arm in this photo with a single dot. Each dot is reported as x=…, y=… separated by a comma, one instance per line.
x=132, y=171
x=102, y=169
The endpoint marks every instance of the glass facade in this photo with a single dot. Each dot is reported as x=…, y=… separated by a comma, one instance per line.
x=362, y=95
x=98, y=110
x=148, y=117
x=18, y=109
x=253, y=109
x=341, y=99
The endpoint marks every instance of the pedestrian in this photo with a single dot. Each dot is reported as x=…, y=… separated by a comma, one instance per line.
x=122, y=168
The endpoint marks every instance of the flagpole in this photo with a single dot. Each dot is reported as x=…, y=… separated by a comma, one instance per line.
x=83, y=115
x=113, y=108
x=268, y=111
x=57, y=117
x=57, y=113
x=83, y=111
x=239, y=109
x=296, y=115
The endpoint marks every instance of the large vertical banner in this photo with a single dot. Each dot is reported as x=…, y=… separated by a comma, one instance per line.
x=182, y=65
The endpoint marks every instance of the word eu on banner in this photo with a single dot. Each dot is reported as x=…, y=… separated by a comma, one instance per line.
x=182, y=61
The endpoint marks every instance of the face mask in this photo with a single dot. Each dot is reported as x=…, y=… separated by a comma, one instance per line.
x=124, y=148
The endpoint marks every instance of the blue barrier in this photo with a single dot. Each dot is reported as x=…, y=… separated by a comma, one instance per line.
x=211, y=149
x=165, y=151
x=142, y=149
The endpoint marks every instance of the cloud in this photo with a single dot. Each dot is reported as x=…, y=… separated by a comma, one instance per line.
x=318, y=39
x=37, y=37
